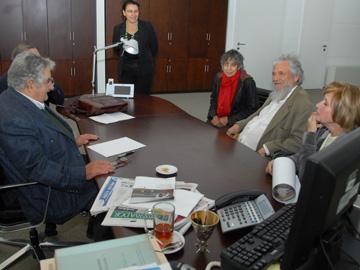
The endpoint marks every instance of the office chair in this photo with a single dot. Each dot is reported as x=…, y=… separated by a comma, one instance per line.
x=13, y=220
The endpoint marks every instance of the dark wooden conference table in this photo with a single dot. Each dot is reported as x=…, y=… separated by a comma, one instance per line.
x=202, y=154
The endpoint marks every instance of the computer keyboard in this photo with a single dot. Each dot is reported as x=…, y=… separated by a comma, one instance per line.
x=263, y=245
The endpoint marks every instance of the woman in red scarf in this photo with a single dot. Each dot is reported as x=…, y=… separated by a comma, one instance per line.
x=233, y=94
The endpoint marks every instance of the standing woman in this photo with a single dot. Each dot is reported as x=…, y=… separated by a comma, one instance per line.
x=136, y=69
x=233, y=94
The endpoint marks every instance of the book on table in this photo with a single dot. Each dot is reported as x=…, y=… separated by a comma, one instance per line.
x=133, y=251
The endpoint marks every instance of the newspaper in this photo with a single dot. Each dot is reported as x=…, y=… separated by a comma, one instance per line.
x=116, y=190
x=113, y=192
x=136, y=217
x=152, y=189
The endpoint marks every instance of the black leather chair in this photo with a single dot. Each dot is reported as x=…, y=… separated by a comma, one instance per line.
x=12, y=218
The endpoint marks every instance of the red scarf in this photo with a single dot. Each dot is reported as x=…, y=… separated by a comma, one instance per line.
x=226, y=93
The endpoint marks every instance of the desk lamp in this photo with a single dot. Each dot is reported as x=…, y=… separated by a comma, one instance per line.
x=130, y=46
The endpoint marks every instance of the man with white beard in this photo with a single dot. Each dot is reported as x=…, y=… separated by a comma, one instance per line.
x=277, y=127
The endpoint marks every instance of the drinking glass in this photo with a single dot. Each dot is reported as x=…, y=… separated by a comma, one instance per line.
x=163, y=214
x=203, y=222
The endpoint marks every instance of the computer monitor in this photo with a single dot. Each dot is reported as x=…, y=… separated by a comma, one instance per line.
x=330, y=185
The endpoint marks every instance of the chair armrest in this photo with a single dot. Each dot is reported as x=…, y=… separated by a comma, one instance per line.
x=17, y=185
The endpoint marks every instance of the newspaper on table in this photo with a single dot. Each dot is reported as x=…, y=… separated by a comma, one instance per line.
x=135, y=217
x=152, y=189
x=113, y=192
x=116, y=190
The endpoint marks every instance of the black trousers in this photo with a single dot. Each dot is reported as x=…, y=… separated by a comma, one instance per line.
x=131, y=74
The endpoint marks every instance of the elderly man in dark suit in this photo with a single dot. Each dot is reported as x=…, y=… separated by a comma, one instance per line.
x=277, y=127
x=41, y=146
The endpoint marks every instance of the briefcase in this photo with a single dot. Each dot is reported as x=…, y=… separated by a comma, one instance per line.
x=94, y=105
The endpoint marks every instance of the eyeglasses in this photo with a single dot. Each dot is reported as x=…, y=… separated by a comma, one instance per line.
x=50, y=80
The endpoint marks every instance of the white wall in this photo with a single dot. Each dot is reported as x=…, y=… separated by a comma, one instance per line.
x=345, y=34
x=297, y=35
x=100, y=42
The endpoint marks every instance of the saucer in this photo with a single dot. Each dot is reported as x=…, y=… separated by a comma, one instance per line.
x=166, y=169
x=176, y=236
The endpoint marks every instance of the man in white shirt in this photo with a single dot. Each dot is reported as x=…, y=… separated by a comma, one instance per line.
x=277, y=127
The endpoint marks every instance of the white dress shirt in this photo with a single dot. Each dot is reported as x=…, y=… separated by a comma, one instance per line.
x=253, y=131
x=38, y=104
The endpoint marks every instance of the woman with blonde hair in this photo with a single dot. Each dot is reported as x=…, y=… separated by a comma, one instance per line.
x=336, y=114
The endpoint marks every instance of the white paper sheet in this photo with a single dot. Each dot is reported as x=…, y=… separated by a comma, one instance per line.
x=285, y=181
x=116, y=147
x=154, y=182
x=108, y=118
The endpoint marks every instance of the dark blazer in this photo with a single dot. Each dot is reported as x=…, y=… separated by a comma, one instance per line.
x=148, y=45
x=285, y=130
x=43, y=152
x=55, y=96
x=244, y=103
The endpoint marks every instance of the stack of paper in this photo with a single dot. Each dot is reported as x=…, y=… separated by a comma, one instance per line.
x=115, y=194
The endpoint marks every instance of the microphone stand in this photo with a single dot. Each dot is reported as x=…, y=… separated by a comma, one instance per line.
x=94, y=62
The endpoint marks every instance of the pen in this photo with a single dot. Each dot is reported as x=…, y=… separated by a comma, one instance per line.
x=125, y=154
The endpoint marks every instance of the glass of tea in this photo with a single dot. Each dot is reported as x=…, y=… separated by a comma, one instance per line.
x=163, y=214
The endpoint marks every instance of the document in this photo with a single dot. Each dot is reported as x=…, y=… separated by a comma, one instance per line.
x=119, y=253
x=113, y=192
x=108, y=118
x=152, y=189
x=285, y=182
x=116, y=147
x=184, y=202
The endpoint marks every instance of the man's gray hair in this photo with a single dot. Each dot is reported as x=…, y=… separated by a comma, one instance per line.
x=232, y=55
x=294, y=65
x=28, y=66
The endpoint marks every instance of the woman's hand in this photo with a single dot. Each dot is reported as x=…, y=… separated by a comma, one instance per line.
x=215, y=121
x=224, y=121
x=312, y=123
x=85, y=139
x=269, y=167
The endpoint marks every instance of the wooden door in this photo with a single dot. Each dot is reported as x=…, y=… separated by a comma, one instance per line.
x=161, y=19
x=63, y=75
x=196, y=73
x=161, y=69
x=179, y=25
x=176, y=75
x=216, y=28
x=170, y=75
x=59, y=27
x=83, y=26
x=197, y=41
x=35, y=24
x=11, y=27
x=82, y=76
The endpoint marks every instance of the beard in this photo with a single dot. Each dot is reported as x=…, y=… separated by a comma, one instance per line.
x=278, y=95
